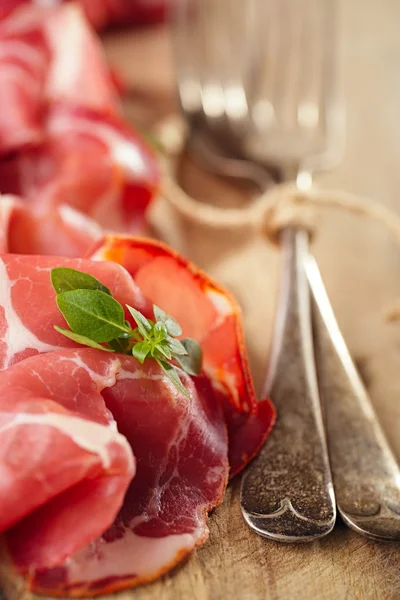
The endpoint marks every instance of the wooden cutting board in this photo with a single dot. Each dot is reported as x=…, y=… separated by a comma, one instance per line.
x=361, y=267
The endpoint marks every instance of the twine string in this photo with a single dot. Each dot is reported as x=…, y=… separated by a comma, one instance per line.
x=279, y=207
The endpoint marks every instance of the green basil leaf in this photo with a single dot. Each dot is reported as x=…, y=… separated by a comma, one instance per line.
x=140, y=351
x=93, y=314
x=163, y=350
x=172, y=326
x=65, y=279
x=127, y=335
x=121, y=344
x=176, y=346
x=172, y=374
x=192, y=363
x=160, y=331
x=143, y=324
x=135, y=335
x=159, y=314
x=81, y=339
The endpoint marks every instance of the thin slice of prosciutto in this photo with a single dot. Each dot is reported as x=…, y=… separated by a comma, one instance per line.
x=184, y=449
x=64, y=468
x=103, y=13
x=62, y=138
x=78, y=73
x=208, y=313
x=61, y=230
x=24, y=61
x=180, y=448
x=46, y=56
x=28, y=311
x=94, y=163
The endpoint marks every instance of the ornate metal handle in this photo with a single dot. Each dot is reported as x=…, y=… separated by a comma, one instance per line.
x=365, y=472
x=287, y=493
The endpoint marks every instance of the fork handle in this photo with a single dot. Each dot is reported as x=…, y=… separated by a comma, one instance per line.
x=365, y=472
x=287, y=492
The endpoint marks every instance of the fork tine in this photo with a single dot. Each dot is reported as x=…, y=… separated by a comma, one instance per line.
x=226, y=108
x=308, y=111
x=184, y=29
x=333, y=115
x=263, y=111
x=236, y=80
x=295, y=113
x=285, y=23
x=285, y=113
x=212, y=60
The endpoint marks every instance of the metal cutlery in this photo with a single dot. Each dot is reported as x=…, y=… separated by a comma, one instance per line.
x=289, y=125
x=365, y=472
x=287, y=493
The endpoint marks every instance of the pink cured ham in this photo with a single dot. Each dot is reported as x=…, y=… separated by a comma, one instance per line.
x=103, y=13
x=61, y=230
x=64, y=468
x=208, y=313
x=41, y=54
x=24, y=60
x=93, y=163
x=78, y=73
x=68, y=143
x=181, y=454
x=180, y=446
x=28, y=310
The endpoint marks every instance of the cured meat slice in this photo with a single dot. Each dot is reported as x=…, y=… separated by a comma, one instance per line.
x=102, y=13
x=28, y=309
x=64, y=468
x=95, y=164
x=40, y=64
x=59, y=125
x=209, y=314
x=78, y=73
x=180, y=444
x=24, y=59
x=54, y=56
x=180, y=447
x=61, y=231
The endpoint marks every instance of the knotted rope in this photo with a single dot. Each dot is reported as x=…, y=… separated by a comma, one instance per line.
x=281, y=206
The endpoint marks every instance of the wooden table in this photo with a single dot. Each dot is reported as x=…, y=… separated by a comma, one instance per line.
x=360, y=264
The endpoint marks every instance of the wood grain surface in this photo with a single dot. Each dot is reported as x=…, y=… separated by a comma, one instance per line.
x=361, y=267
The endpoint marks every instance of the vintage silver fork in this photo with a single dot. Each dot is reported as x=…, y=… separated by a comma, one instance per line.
x=287, y=494
x=257, y=85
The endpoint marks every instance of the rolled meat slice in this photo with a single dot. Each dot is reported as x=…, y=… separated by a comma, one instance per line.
x=62, y=470
x=208, y=313
x=62, y=230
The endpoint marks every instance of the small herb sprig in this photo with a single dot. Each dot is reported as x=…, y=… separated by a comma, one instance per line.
x=97, y=320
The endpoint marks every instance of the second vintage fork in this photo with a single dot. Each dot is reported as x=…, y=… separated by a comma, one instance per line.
x=240, y=130
x=287, y=492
